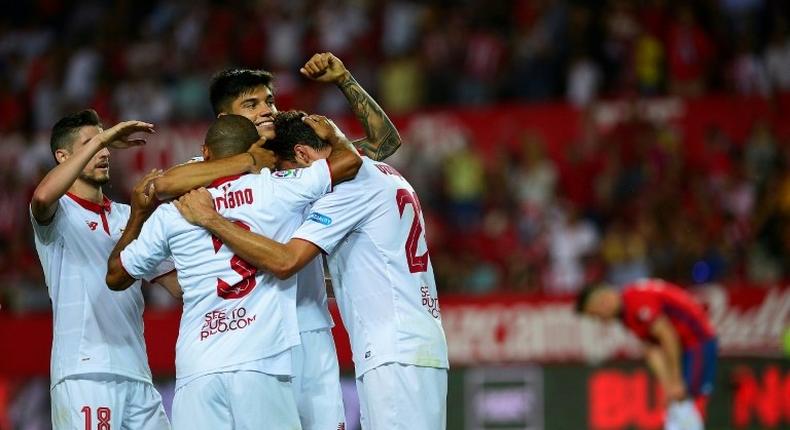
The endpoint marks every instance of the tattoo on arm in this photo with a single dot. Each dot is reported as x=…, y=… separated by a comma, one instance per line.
x=382, y=137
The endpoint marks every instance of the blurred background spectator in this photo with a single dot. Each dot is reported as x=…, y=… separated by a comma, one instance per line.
x=618, y=203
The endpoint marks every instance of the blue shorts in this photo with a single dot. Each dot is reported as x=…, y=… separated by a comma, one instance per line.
x=699, y=368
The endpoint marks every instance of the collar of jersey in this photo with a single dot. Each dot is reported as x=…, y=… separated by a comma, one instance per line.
x=219, y=181
x=106, y=205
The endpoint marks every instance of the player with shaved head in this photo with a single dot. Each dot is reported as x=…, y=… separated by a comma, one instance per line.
x=239, y=325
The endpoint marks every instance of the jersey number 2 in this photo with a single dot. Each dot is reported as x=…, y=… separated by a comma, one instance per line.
x=246, y=270
x=417, y=263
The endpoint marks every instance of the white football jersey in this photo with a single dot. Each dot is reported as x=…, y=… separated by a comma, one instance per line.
x=234, y=317
x=312, y=310
x=96, y=330
x=372, y=229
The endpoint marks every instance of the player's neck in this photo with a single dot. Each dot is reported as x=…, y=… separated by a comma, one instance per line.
x=89, y=192
x=288, y=165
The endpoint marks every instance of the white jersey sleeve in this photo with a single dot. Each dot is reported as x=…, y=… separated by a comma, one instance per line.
x=163, y=268
x=304, y=186
x=145, y=254
x=330, y=220
x=47, y=233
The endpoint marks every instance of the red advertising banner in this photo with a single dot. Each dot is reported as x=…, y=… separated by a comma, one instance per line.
x=752, y=394
x=749, y=321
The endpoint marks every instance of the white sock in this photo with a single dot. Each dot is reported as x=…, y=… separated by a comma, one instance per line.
x=683, y=415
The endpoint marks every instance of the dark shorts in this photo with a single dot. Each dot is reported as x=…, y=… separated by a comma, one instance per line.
x=699, y=368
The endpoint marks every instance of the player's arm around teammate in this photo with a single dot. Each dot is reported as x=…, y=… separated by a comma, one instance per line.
x=72, y=161
x=382, y=138
x=281, y=260
x=143, y=204
x=185, y=177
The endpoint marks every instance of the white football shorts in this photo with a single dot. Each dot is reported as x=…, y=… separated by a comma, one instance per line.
x=240, y=400
x=105, y=401
x=316, y=382
x=398, y=396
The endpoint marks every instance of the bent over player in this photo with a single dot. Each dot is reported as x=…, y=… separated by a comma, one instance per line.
x=372, y=229
x=680, y=344
x=99, y=370
x=233, y=354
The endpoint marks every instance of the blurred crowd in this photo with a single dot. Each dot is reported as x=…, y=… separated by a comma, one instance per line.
x=616, y=206
x=151, y=59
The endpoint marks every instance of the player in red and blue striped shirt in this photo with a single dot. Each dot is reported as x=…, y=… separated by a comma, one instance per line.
x=680, y=343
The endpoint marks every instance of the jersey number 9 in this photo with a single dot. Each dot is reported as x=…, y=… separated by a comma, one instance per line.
x=246, y=270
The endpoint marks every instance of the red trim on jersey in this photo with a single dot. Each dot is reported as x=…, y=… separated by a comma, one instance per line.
x=100, y=209
x=219, y=181
x=89, y=205
x=155, y=279
x=331, y=179
x=104, y=223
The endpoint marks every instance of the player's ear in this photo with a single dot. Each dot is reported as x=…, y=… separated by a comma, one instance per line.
x=206, y=153
x=300, y=154
x=62, y=155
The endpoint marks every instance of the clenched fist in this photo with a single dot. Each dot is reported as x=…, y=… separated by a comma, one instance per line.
x=325, y=67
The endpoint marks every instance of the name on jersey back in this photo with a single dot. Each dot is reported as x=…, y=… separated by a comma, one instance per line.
x=233, y=198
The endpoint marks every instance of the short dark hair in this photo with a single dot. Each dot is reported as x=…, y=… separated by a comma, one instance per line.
x=229, y=84
x=583, y=298
x=63, y=131
x=289, y=131
x=230, y=135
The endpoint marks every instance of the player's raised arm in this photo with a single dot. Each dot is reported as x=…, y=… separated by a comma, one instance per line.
x=382, y=137
x=73, y=158
x=282, y=260
x=344, y=162
x=143, y=204
x=183, y=178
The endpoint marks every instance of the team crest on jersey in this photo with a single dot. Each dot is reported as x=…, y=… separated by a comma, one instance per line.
x=92, y=225
x=290, y=173
x=319, y=218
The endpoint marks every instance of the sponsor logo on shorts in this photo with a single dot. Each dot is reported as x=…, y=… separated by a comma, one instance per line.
x=290, y=173
x=320, y=218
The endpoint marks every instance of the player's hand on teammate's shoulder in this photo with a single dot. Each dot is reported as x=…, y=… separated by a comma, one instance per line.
x=324, y=127
x=197, y=207
x=119, y=136
x=262, y=157
x=143, y=194
x=325, y=67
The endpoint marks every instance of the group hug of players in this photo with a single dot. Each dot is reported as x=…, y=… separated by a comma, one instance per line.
x=240, y=241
